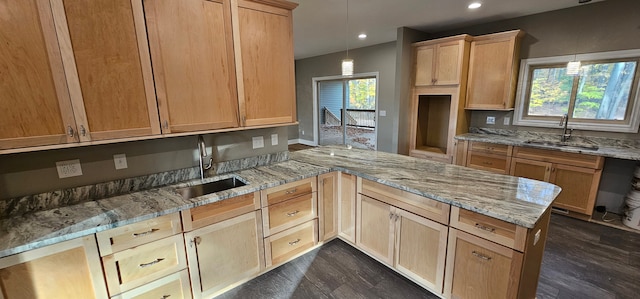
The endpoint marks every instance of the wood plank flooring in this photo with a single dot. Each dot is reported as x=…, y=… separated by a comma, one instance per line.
x=582, y=260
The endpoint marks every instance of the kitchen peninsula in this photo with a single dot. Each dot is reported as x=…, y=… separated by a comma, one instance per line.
x=491, y=225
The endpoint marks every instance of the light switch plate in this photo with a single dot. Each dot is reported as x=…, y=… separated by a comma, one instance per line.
x=274, y=139
x=120, y=161
x=506, y=120
x=69, y=168
x=383, y=112
x=258, y=142
x=491, y=120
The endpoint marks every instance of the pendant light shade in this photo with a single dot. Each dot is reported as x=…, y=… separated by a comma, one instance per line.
x=573, y=68
x=347, y=67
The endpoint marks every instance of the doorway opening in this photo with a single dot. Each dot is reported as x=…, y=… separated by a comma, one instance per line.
x=347, y=110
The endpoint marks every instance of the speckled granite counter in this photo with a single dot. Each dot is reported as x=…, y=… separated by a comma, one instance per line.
x=516, y=200
x=607, y=147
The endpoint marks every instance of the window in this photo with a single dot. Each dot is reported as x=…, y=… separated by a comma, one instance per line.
x=603, y=97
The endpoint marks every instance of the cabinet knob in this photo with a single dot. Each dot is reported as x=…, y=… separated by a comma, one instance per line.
x=294, y=242
x=150, y=263
x=166, y=124
x=70, y=131
x=291, y=214
x=165, y=296
x=142, y=234
x=291, y=191
x=83, y=131
x=485, y=228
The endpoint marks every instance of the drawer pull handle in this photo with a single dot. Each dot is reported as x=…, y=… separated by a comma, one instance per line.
x=151, y=263
x=294, y=242
x=480, y=255
x=291, y=191
x=165, y=296
x=291, y=214
x=142, y=234
x=485, y=228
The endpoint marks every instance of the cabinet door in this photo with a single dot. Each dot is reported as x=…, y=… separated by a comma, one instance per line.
x=347, y=207
x=375, y=228
x=224, y=253
x=421, y=246
x=531, y=169
x=267, y=85
x=579, y=187
x=447, y=64
x=193, y=63
x=424, y=67
x=34, y=100
x=106, y=58
x=477, y=268
x=493, y=67
x=69, y=269
x=328, y=205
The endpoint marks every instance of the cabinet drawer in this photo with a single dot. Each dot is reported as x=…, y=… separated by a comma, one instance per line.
x=498, y=231
x=413, y=203
x=555, y=156
x=174, y=286
x=284, y=245
x=219, y=211
x=289, y=213
x=489, y=162
x=491, y=148
x=136, y=234
x=287, y=191
x=134, y=267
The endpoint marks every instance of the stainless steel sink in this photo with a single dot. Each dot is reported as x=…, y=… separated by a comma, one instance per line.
x=211, y=187
x=563, y=144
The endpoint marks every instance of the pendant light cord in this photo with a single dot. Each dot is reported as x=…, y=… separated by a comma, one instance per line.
x=347, y=33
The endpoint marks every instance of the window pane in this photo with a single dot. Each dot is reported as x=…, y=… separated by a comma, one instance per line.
x=603, y=90
x=550, y=92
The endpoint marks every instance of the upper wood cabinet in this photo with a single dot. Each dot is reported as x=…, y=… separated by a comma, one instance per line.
x=442, y=61
x=35, y=104
x=493, y=71
x=76, y=71
x=265, y=65
x=193, y=63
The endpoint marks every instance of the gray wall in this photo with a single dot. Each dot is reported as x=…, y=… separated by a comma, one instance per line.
x=31, y=173
x=379, y=58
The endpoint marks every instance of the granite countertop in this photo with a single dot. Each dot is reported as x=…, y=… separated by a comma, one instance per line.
x=515, y=200
x=606, y=147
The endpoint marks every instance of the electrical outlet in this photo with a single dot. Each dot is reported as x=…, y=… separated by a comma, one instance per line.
x=383, y=112
x=536, y=238
x=491, y=120
x=507, y=120
x=302, y=132
x=69, y=168
x=120, y=160
x=274, y=139
x=258, y=142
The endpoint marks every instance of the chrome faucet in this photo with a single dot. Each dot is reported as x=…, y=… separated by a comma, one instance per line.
x=202, y=148
x=563, y=123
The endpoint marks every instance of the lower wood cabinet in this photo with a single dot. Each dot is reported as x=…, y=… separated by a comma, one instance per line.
x=478, y=268
x=224, y=254
x=285, y=245
x=347, y=207
x=577, y=174
x=174, y=286
x=328, y=205
x=69, y=269
x=413, y=245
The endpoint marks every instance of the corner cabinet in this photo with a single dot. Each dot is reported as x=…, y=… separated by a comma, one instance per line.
x=437, y=114
x=264, y=61
x=69, y=269
x=78, y=71
x=493, y=71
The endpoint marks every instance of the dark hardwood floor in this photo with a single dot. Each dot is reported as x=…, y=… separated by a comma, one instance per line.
x=582, y=260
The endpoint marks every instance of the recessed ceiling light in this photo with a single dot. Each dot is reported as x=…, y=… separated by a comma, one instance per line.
x=475, y=5
x=362, y=36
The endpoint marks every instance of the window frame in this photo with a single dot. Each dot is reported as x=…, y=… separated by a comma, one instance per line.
x=630, y=124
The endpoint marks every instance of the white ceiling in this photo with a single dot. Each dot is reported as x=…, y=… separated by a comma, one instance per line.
x=319, y=26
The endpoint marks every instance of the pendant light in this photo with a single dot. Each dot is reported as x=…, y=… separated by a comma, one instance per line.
x=347, y=63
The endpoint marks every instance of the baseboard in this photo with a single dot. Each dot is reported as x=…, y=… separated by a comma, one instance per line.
x=301, y=141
